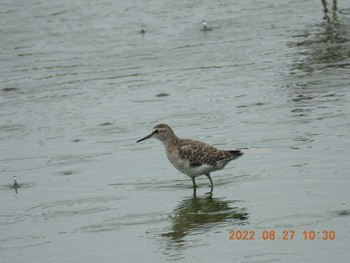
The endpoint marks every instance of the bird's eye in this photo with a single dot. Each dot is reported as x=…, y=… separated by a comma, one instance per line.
x=156, y=131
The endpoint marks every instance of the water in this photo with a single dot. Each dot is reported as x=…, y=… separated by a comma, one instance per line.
x=80, y=84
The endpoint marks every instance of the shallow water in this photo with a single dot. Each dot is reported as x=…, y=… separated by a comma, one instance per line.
x=80, y=84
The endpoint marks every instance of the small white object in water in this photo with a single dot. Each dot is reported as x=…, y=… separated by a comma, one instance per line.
x=205, y=27
x=15, y=184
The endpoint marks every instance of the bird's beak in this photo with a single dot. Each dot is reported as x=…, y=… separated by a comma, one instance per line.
x=145, y=138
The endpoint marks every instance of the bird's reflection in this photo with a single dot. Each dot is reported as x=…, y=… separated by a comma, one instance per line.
x=322, y=46
x=199, y=214
x=320, y=50
x=326, y=10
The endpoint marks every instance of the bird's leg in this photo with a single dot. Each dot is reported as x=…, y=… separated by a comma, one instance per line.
x=325, y=9
x=211, y=191
x=208, y=175
x=212, y=185
x=194, y=192
x=193, y=183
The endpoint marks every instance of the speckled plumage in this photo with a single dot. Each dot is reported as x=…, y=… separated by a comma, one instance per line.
x=191, y=157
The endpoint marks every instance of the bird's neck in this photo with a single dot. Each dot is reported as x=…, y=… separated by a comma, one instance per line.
x=173, y=140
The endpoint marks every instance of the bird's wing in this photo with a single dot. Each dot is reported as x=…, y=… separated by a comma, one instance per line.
x=200, y=153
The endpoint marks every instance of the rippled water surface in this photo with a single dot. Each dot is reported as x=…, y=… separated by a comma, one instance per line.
x=80, y=83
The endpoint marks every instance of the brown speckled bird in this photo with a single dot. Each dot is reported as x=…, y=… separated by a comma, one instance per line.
x=191, y=157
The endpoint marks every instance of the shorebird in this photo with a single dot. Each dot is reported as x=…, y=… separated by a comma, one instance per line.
x=193, y=158
x=15, y=184
x=205, y=27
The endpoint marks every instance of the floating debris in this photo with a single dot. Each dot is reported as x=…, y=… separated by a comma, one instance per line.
x=162, y=94
x=106, y=123
x=67, y=173
x=9, y=89
x=344, y=212
x=142, y=30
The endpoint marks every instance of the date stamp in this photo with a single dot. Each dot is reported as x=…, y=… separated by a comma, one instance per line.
x=268, y=234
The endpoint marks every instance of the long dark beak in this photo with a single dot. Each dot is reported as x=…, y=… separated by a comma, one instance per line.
x=145, y=138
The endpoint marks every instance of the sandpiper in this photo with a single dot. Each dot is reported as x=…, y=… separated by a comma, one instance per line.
x=191, y=157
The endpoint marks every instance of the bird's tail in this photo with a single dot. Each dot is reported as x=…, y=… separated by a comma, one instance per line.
x=236, y=154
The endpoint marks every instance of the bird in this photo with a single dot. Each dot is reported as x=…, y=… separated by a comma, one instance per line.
x=191, y=157
x=15, y=184
x=205, y=27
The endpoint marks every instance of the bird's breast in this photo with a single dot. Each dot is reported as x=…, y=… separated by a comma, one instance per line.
x=186, y=167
